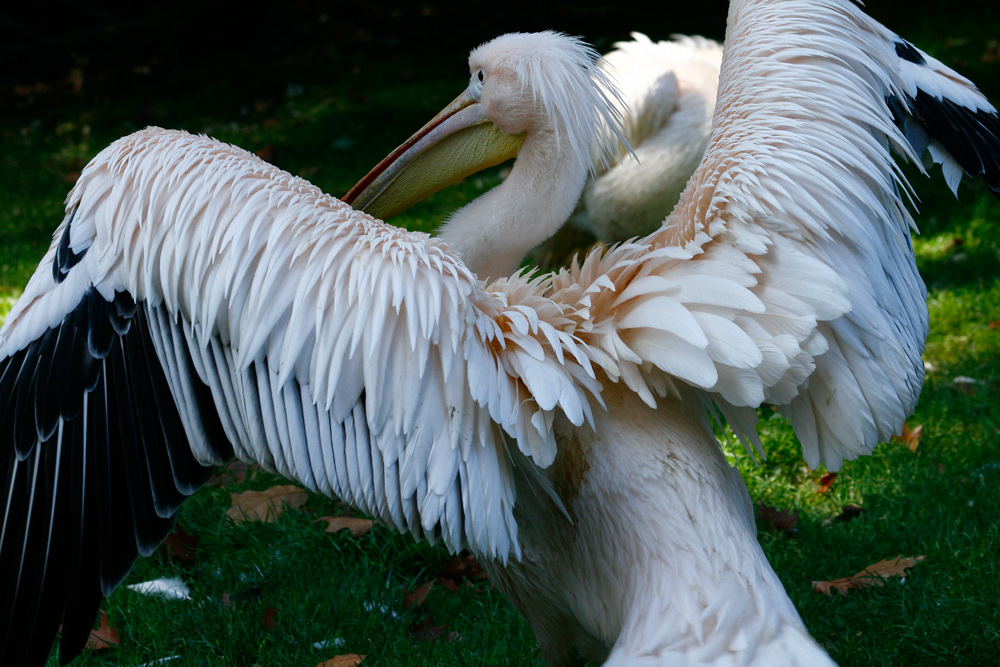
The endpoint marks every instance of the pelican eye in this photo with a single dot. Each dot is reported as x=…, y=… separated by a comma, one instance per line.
x=476, y=84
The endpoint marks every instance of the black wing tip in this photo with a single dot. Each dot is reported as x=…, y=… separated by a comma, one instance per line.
x=124, y=458
x=971, y=136
x=910, y=53
x=65, y=258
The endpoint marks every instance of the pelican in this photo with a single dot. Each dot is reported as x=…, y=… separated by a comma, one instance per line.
x=669, y=88
x=667, y=98
x=198, y=304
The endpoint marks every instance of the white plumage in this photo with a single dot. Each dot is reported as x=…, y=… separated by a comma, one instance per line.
x=667, y=98
x=557, y=425
x=669, y=88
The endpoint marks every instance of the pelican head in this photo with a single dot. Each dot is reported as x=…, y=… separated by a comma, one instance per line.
x=538, y=96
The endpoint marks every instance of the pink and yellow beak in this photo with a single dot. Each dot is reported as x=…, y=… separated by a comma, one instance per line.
x=457, y=142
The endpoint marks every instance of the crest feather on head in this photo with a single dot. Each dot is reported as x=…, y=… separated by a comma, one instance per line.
x=562, y=73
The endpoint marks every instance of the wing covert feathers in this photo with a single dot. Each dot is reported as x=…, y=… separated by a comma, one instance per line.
x=811, y=174
x=802, y=183
x=349, y=355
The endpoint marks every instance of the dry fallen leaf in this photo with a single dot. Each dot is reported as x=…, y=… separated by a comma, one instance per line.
x=180, y=545
x=104, y=636
x=269, y=617
x=426, y=631
x=872, y=575
x=267, y=505
x=826, y=481
x=417, y=597
x=850, y=511
x=236, y=472
x=462, y=566
x=781, y=519
x=349, y=660
x=956, y=243
x=358, y=527
x=909, y=437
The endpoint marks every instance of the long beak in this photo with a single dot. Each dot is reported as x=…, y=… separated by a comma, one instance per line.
x=457, y=142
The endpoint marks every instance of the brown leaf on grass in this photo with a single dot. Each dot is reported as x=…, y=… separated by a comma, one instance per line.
x=462, y=566
x=994, y=325
x=269, y=617
x=826, y=481
x=358, y=527
x=265, y=506
x=235, y=472
x=30, y=90
x=348, y=660
x=75, y=80
x=909, y=437
x=417, y=597
x=873, y=575
x=781, y=519
x=179, y=546
x=104, y=636
x=426, y=631
x=449, y=584
x=850, y=511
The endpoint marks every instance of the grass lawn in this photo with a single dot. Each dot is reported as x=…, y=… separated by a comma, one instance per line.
x=287, y=593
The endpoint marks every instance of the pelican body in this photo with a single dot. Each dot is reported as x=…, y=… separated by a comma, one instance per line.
x=669, y=89
x=198, y=304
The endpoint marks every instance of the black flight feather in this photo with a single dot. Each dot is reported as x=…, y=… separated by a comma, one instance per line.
x=94, y=463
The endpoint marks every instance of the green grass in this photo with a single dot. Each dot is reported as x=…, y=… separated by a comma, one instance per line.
x=942, y=501
x=338, y=589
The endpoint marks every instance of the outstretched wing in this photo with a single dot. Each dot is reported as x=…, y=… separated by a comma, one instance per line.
x=876, y=348
x=786, y=272
x=198, y=303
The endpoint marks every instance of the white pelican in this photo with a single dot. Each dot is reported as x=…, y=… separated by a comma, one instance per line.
x=669, y=88
x=197, y=303
x=667, y=97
